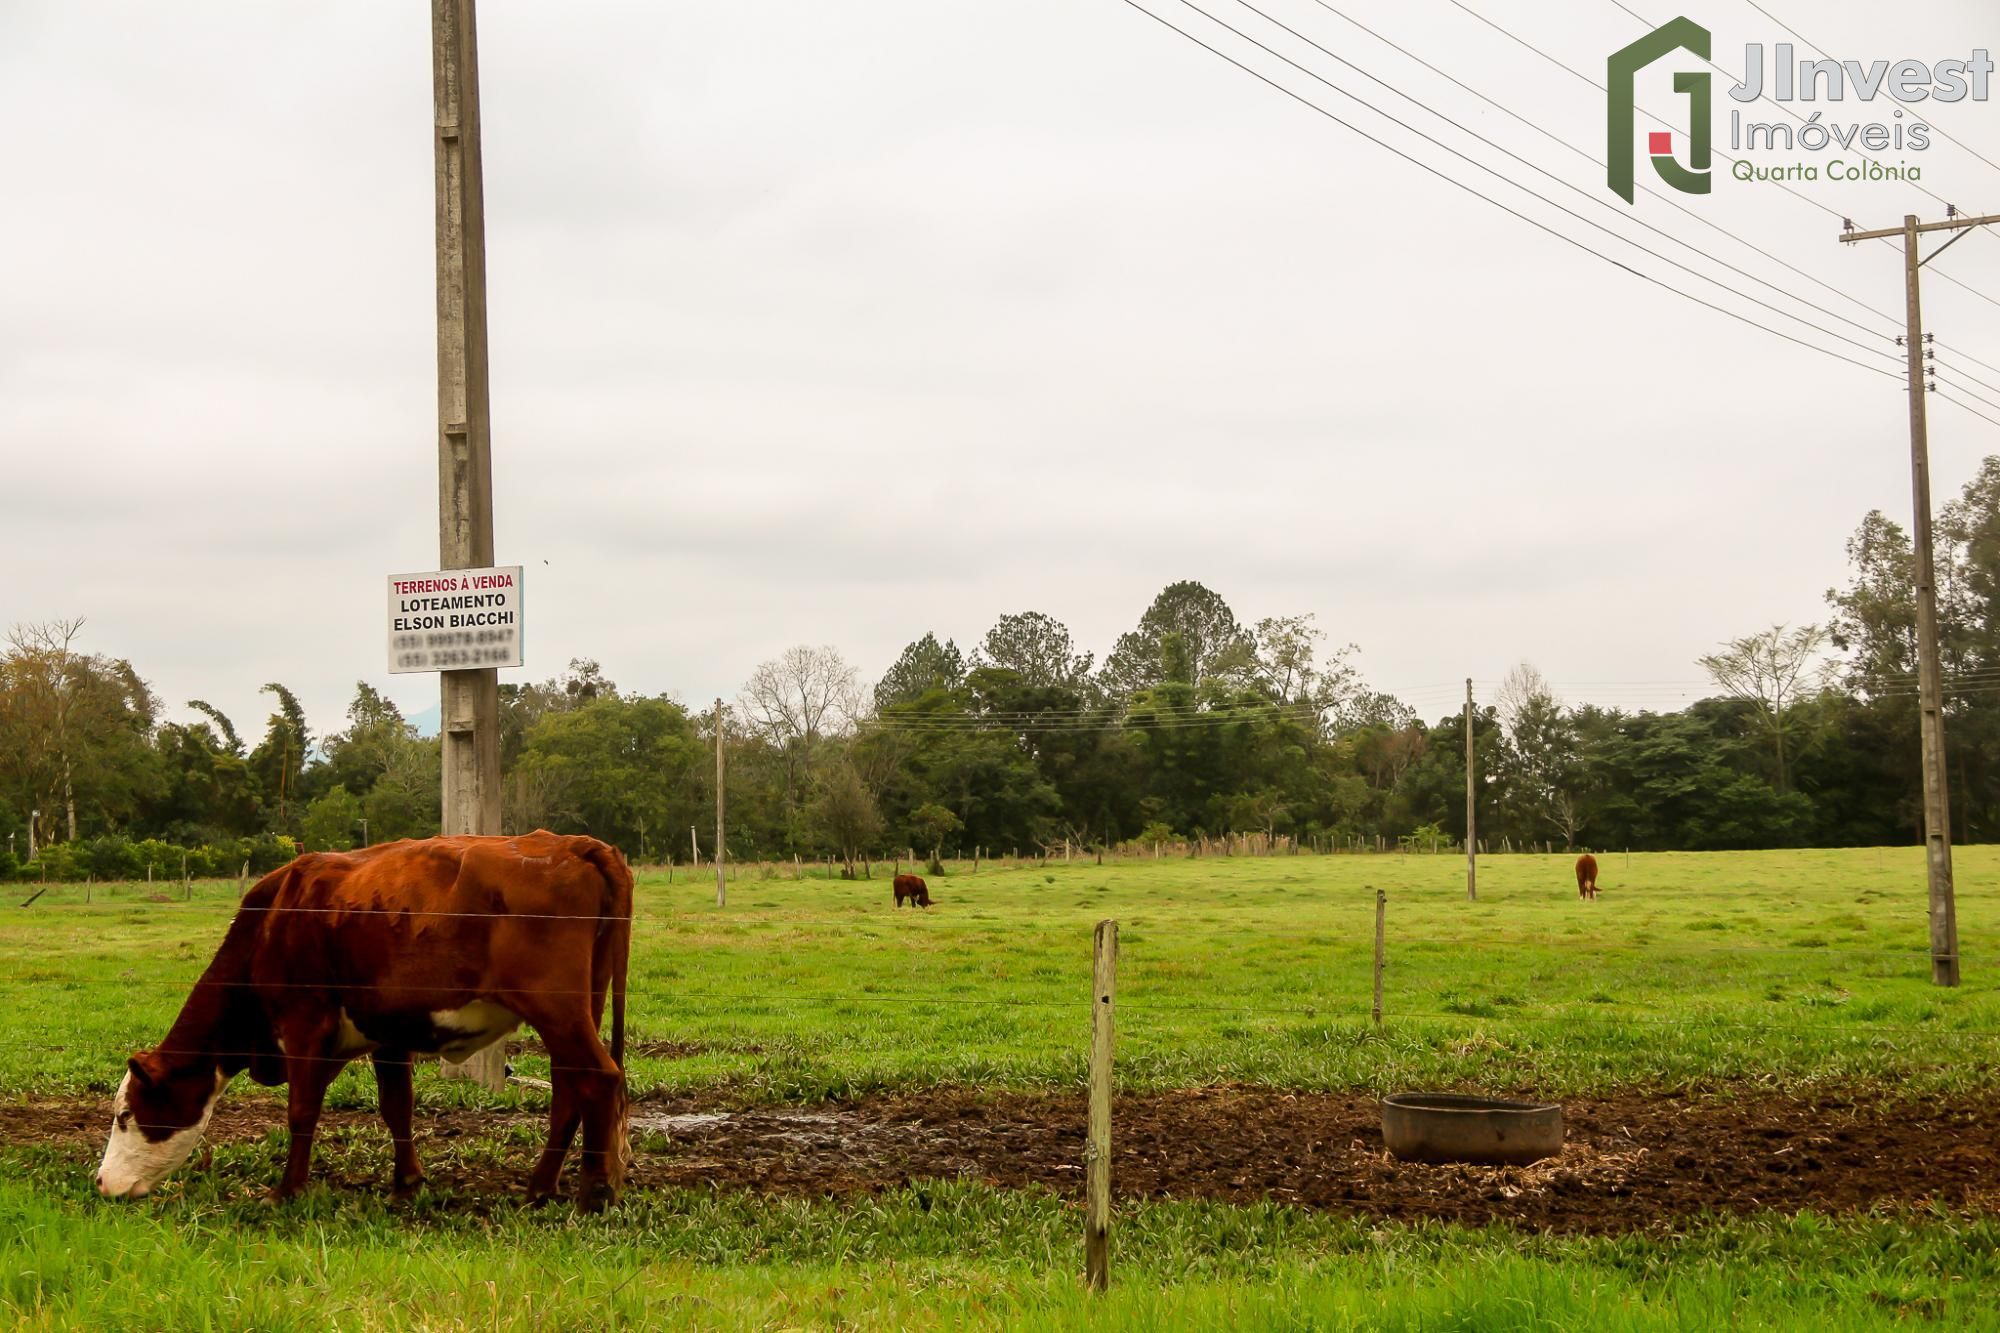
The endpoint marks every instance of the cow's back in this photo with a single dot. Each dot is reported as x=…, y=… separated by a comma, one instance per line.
x=438, y=914
x=1586, y=869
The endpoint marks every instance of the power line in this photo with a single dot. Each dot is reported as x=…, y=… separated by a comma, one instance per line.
x=1533, y=222
x=1975, y=411
x=1975, y=397
x=1695, y=273
x=1821, y=52
x=1964, y=376
x=1649, y=24
x=1957, y=282
x=1863, y=155
x=1664, y=198
x=1828, y=209
x=1568, y=185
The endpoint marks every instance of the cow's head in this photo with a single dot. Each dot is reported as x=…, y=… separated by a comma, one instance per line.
x=156, y=1121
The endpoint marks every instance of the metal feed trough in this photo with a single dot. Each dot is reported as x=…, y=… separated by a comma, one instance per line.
x=1445, y=1127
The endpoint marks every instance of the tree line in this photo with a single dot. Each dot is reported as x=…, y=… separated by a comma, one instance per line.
x=1193, y=725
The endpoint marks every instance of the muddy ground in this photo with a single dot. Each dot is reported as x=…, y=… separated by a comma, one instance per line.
x=1630, y=1161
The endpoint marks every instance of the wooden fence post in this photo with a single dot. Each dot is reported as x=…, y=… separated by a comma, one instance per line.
x=187, y=884
x=1381, y=910
x=243, y=880
x=1097, y=1164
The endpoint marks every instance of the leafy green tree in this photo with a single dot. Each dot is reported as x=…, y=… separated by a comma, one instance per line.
x=845, y=813
x=923, y=666
x=407, y=798
x=1540, y=765
x=1037, y=648
x=75, y=733
x=931, y=824
x=332, y=823
x=207, y=790
x=279, y=761
x=357, y=757
x=616, y=764
x=1214, y=645
x=223, y=725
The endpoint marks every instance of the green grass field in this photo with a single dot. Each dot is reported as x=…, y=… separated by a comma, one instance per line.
x=1693, y=973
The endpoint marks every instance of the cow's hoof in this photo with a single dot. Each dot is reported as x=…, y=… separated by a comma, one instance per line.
x=594, y=1196
x=277, y=1195
x=406, y=1190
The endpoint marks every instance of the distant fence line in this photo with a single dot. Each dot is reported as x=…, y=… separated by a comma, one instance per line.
x=113, y=859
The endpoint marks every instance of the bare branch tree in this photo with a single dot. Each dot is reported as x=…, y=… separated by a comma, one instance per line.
x=1771, y=669
x=48, y=679
x=796, y=701
x=1521, y=693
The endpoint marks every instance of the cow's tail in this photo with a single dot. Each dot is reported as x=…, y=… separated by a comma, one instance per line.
x=619, y=959
x=617, y=908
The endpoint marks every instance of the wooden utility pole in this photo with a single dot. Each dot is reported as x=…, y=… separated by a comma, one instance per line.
x=1471, y=804
x=721, y=883
x=1930, y=704
x=470, y=699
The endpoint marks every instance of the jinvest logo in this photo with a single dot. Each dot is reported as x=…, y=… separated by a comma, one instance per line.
x=1682, y=34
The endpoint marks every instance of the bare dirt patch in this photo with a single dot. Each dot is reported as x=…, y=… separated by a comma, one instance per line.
x=1631, y=1161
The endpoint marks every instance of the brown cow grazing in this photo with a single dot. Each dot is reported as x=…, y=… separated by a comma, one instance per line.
x=1586, y=876
x=913, y=888
x=440, y=946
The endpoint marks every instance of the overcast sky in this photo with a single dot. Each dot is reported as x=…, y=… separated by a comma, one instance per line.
x=839, y=323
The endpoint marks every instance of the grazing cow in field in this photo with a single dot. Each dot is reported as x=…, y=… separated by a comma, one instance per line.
x=440, y=946
x=913, y=888
x=1586, y=876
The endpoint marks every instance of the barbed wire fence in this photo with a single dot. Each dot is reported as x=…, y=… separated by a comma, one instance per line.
x=785, y=994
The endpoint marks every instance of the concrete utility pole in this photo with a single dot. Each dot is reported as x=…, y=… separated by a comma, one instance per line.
x=471, y=699
x=1930, y=705
x=721, y=883
x=1471, y=808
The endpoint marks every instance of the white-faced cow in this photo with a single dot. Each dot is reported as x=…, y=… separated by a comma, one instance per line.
x=441, y=946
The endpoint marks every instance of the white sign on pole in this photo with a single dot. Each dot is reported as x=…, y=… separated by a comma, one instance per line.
x=455, y=619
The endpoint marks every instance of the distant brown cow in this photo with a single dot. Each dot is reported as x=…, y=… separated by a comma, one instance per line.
x=1586, y=876
x=912, y=887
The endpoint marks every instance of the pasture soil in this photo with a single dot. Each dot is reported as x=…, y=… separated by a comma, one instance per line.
x=1631, y=1163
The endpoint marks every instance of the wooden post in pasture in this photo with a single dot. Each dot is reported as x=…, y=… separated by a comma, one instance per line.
x=187, y=882
x=721, y=852
x=1471, y=803
x=1381, y=912
x=694, y=849
x=1097, y=1152
x=243, y=880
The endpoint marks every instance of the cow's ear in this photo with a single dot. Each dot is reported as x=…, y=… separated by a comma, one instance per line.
x=137, y=1065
